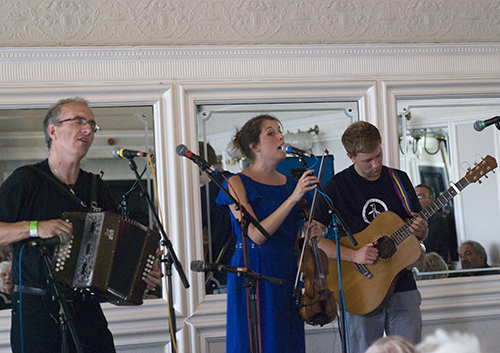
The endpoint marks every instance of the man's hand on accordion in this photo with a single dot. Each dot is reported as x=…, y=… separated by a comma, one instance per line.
x=154, y=278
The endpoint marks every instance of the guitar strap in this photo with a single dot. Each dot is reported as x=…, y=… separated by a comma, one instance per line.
x=400, y=191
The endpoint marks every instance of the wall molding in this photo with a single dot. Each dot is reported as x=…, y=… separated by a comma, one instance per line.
x=166, y=64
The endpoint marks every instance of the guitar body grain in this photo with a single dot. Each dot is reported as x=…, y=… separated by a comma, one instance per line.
x=363, y=295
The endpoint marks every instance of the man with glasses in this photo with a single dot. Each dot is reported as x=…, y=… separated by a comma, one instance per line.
x=32, y=200
x=442, y=237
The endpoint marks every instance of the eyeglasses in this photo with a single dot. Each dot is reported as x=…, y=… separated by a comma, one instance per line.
x=78, y=120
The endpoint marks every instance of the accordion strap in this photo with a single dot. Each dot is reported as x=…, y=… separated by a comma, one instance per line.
x=65, y=190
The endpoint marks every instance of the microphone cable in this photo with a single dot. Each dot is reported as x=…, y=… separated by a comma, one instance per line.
x=341, y=287
x=21, y=299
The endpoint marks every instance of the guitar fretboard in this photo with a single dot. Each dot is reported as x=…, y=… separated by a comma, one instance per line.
x=404, y=231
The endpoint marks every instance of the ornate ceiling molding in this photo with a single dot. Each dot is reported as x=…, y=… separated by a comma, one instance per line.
x=313, y=62
x=245, y=22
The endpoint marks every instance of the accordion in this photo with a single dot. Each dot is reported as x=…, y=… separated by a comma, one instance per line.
x=108, y=255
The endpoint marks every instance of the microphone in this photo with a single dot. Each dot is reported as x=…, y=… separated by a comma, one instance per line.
x=287, y=148
x=183, y=151
x=120, y=152
x=202, y=266
x=480, y=125
x=58, y=239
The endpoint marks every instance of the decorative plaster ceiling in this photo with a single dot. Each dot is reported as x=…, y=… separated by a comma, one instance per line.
x=245, y=22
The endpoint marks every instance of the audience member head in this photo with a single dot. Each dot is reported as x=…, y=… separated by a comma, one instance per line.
x=211, y=157
x=361, y=137
x=472, y=255
x=6, y=285
x=443, y=342
x=426, y=194
x=391, y=344
x=432, y=262
x=249, y=135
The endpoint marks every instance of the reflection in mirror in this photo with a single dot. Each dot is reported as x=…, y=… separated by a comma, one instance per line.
x=439, y=144
x=309, y=126
x=22, y=142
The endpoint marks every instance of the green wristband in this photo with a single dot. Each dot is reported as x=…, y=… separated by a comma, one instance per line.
x=33, y=228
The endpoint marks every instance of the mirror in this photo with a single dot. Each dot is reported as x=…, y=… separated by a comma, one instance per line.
x=308, y=126
x=22, y=142
x=438, y=145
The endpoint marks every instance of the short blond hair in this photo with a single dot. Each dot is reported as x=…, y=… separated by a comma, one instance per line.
x=361, y=137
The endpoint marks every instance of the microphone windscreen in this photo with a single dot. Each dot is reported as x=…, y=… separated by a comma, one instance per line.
x=198, y=266
x=285, y=148
x=182, y=150
x=116, y=152
x=478, y=126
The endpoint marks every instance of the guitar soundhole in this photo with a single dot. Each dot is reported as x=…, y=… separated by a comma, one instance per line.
x=386, y=247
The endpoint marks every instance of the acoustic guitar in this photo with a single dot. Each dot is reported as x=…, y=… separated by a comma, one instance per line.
x=367, y=286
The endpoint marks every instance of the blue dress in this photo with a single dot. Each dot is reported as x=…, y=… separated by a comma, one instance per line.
x=282, y=328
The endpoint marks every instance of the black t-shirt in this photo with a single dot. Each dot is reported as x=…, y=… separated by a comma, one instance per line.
x=27, y=195
x=359, y=201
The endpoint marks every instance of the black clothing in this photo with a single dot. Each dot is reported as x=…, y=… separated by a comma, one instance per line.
x=28, y=195
x=359, y=201
x=220, y=227
x=5, y=301
x=442, y=237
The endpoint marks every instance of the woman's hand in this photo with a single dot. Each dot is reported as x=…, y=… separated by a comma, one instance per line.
x=307, y=182
x=314, y=229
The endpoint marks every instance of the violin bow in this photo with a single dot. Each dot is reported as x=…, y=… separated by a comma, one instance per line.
x=298, y=278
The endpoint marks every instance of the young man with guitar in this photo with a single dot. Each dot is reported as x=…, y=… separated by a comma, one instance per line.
x=376, y=301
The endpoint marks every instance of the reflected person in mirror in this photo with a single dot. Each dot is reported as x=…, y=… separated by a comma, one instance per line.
x=32, y=200
x=472, y=255
x=442, y=237
x=6, y=285
x=222, y=242
x=273, y=199
x=432, y=262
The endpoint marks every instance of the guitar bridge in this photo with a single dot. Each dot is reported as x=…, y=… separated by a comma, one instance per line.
x=363, y=270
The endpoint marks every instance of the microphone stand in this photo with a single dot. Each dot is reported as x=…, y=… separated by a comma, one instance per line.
x=337, y=219
x=251, y=280
x=65, y=318
x=170, y=258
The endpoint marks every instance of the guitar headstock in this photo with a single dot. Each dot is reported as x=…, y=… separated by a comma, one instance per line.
x=481, y=169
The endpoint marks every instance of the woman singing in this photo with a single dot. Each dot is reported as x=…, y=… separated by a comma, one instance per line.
x=272, y=198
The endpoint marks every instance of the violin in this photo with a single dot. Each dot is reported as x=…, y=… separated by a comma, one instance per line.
x=317, y=302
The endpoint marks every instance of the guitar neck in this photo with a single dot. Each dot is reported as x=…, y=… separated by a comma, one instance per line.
x=404, y=231
x=443, y=199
